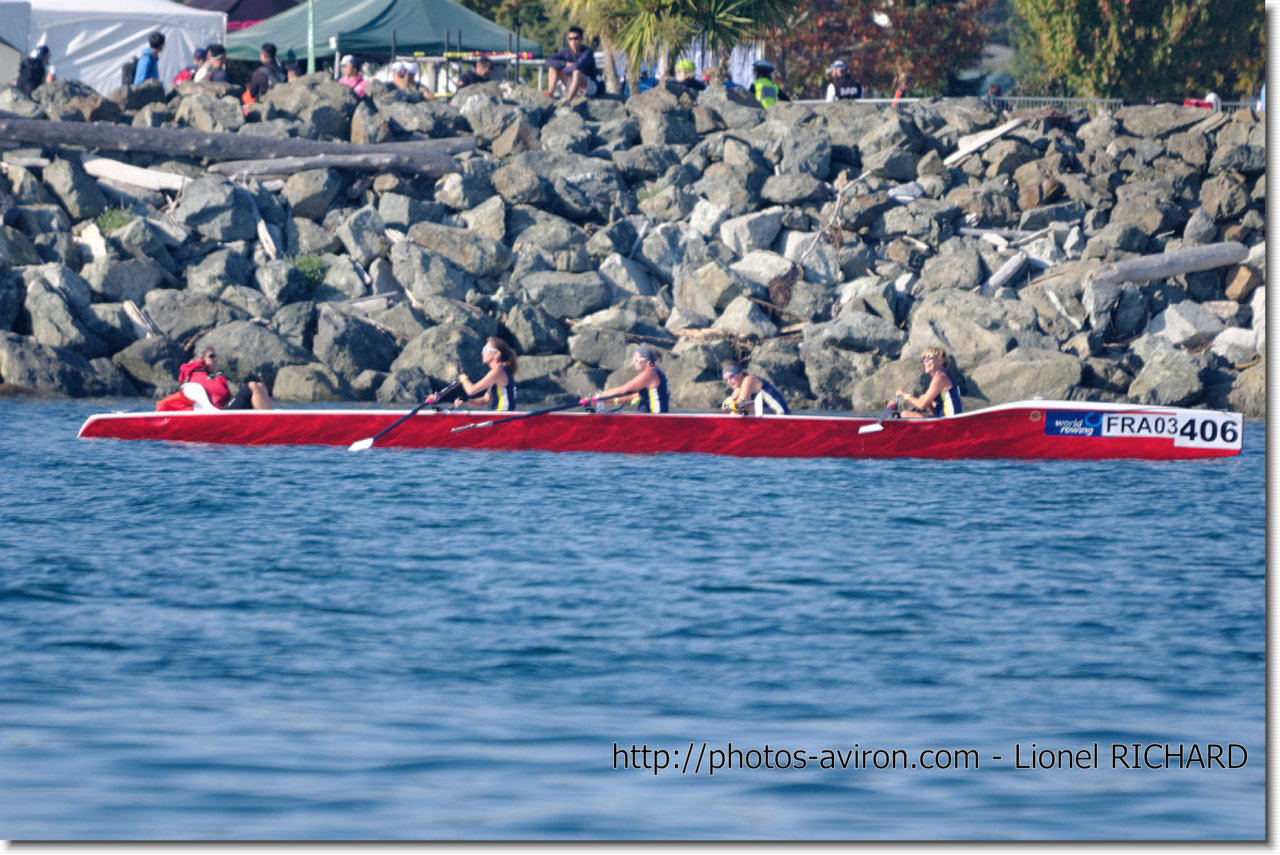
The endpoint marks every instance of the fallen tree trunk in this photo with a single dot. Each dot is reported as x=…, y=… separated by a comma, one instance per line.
x=289, y=165
x=426, y=157
x=1173, y=263
x=1005, y=274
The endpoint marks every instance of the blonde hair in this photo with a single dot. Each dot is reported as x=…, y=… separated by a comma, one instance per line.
x=936, y=352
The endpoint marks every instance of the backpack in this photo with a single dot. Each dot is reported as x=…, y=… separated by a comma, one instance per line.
x=30, y=74
x=129, y=71
x=276, y=74
x=183, y=76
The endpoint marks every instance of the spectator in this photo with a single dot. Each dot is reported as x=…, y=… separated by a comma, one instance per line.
x=993, y=100
x=295, y=70
x=405, y=77
x=266, y=75
x=901, y=86
x=574, y=68
x=198, y=59
x=842, y=86
x=479, y=75
x=763, y=87
x=215, y=68
x=34, y=70
x=351, y=76
x=687, y=76
x=149, y=60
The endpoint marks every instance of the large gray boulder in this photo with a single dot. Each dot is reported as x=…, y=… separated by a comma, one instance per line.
x=312, y=383
x=566, y=295
x=349, y=344
x=473, y=253
x=442, y=353
x=1024, y=373
x=857, y=331
x=51, y=370
x=152, y=364
x=218, y=209
x=182, y=314
x=78, y=193
x=57, y=305
x=249, y=351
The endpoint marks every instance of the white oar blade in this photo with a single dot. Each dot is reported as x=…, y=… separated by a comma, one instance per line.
x=361, y=445
x=870, y=429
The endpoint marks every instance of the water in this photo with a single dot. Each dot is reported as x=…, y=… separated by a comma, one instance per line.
x=302, y=643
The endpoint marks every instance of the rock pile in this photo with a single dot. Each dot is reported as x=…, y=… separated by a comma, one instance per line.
x=823, y=245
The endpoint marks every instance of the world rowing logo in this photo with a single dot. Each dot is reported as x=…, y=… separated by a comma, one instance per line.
x=1072, y=423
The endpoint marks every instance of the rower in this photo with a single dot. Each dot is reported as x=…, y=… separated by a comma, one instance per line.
x=750, y=391
x=202, y=376
x=648, y=388
x=497, y=388
x=942, y=398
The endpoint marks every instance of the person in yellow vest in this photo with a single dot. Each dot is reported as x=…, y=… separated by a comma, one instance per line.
x=763, y=87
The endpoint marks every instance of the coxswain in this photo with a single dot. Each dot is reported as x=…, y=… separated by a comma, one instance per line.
x=751, y=392
x=497, y=388
x=648, y=388
x=204, y=387
x=942, y=398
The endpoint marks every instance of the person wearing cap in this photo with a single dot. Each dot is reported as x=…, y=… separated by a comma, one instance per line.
x=842, y=86
x=751, y=392
x=687, y=76
x=763, y=87
x=648, y=388
x=198, y=58
x=404, y=75
x=574, y=68
x=480, y=74
x=351, y=75
x=942, y=398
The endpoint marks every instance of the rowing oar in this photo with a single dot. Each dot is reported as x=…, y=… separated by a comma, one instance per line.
x=363, y=444
x=517, y=418
x=534, y=413
x=893, y=405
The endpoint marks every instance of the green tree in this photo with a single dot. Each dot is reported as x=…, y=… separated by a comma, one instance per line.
x=1149, y=48
x=930, y=39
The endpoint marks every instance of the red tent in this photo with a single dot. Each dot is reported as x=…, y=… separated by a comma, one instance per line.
x=245, y=13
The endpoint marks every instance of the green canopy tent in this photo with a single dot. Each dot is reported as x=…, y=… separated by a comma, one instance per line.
x=372, y=27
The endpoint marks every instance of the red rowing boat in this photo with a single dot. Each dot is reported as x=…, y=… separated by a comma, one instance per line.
x=1028, y=429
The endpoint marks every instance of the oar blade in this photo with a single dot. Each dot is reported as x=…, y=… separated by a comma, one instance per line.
x=870, y=429
x=470, y=426
x=361, y=445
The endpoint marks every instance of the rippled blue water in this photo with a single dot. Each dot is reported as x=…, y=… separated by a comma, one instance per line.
x=230, y=643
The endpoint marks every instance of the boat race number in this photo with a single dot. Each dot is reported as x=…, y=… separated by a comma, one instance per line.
x=1187, y=428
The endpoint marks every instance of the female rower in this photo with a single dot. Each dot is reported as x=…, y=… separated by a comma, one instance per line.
x=942, y=398
x=497, y=388
x=648, y=388
x=750, y=390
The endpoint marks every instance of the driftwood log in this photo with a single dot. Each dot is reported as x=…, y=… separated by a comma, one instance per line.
x=278, y=166
x=1173, y=263
x=427, y=157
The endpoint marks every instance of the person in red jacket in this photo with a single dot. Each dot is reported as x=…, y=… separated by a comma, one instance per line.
x=205, y=387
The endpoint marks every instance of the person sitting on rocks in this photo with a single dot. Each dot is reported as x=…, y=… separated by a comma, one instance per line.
x=648, y=388
x=204, y=387
x=484, y=67
x=842, y=85
x=574, y=68
x=149, y=60
x=993, y=100
x=763, y=87
x=199, y=57
x=268, y=74
x=404, y=76
x=942, y=398
x=687, y=76
x=34, y=71
x=751, y=392
x=215, y=68
x=497, y=388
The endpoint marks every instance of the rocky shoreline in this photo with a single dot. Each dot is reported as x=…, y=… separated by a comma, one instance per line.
x=823, y=245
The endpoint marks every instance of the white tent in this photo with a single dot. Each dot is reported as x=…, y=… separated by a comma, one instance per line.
x=89, y=40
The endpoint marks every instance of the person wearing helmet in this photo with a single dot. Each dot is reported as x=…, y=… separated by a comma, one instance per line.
x=763, y=87
x=842, y=86
x=687, y=76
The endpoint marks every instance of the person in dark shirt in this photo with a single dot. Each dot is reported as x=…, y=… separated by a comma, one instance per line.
x=574, y=67
x=266, y=75
x=215, y=69
x=842, y=86
x=479, y=75
x=34, y=71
